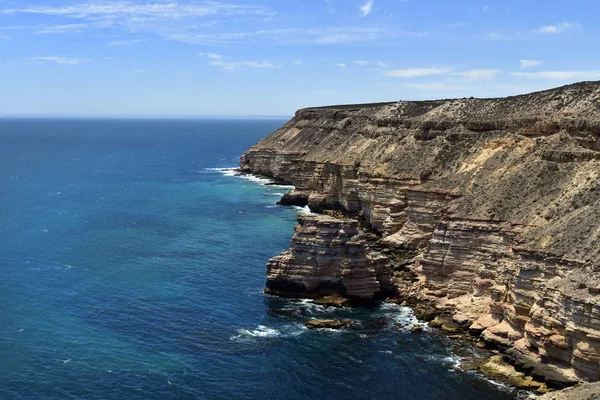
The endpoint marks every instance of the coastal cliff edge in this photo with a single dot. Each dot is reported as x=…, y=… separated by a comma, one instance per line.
x=486, y=209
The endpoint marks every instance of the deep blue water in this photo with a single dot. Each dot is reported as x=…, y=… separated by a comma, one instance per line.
x=131, y=271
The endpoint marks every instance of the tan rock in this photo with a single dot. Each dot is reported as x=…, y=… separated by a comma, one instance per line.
x=493, y=201
x=327, y=323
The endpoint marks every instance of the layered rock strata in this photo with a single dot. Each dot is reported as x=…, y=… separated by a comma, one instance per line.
x=491, y=202
x=328, y=255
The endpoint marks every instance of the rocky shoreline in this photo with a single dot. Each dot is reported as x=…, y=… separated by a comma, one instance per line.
x=478, y=213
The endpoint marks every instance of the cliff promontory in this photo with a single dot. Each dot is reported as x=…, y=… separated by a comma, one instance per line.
x=490, y=206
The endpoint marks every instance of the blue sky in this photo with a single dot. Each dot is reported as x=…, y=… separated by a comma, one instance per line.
x=271, y=57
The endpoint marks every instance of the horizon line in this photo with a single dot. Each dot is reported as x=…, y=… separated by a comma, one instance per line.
x=141, y=116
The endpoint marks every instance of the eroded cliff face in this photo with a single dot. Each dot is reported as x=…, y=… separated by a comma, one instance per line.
x=328, y=255
x=491, y=203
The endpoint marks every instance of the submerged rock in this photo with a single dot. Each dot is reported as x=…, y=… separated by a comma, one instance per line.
x=333, y=301
x=327, y=323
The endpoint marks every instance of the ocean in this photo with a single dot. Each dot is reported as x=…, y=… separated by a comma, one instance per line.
x=132, y=266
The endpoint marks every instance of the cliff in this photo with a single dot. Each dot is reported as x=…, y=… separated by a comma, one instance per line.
x=490, y=206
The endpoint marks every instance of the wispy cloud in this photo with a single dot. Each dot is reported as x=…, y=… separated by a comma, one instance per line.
x=330, y=5
x=120, y=11
x=297, y=62
x=474, y=74
x=161, y=17
x=212, y=56
x=140, y=71
x=529, y=63
x=417, y=72
x=504, y=36
x=361, y=62
x=60, y=60
x=220, y=61
x=326, y=92
x=367, y=8
x=324, y=36
x=125, y=42
x=466, y=75
x=232, y=65
x=561, y=75
x=558, y=28
x=192, y=23
x=341, y=65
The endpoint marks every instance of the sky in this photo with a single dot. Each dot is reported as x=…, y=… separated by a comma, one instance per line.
x=168, y=58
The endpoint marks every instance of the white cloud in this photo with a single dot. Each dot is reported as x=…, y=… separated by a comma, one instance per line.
x=529, y=63
x=232, y=65
x=417, y=72
x=341, y=65
x=561, y=75
x=325, y=36
x=60, y=60
x=161, y=17
x=125, y=42
x=474, y=74
x=330, y=5
x=558, y=28
x=217, y=60
x=382, y=64
x=361, y=62
x=297, y=62
x=211, y=56
x=486, y=9
x=366, y=8
x=123, y=10
x=140, y=71
x=185, y=22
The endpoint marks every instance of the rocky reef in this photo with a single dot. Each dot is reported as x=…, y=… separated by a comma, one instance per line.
x=484, y=208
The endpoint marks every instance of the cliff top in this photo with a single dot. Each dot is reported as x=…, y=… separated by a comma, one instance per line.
x=582, y=97
x=531, y=160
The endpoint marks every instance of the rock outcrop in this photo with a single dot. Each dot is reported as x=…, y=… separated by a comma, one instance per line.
x=327, y=323
x=491, y=203
x=328, y=255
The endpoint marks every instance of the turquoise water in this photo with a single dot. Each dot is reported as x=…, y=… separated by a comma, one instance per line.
x=133, y=269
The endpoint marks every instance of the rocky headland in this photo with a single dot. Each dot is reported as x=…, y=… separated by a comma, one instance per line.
x=480, y=213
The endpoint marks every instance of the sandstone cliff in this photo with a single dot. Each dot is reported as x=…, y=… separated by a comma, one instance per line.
x=491, y=204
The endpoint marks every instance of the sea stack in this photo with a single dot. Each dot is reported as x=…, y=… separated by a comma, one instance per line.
x=490, y=206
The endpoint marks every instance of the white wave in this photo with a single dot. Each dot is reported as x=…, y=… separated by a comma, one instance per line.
x=308, y=305
x=261, y=331
x=302, y=210
x=256, y=179
x=225, y=171
x=274, y=185
x=453, y=360
x=522, y=394
x=276, y=194
x=330, y=330
x=273, y=206
x=402, y=316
